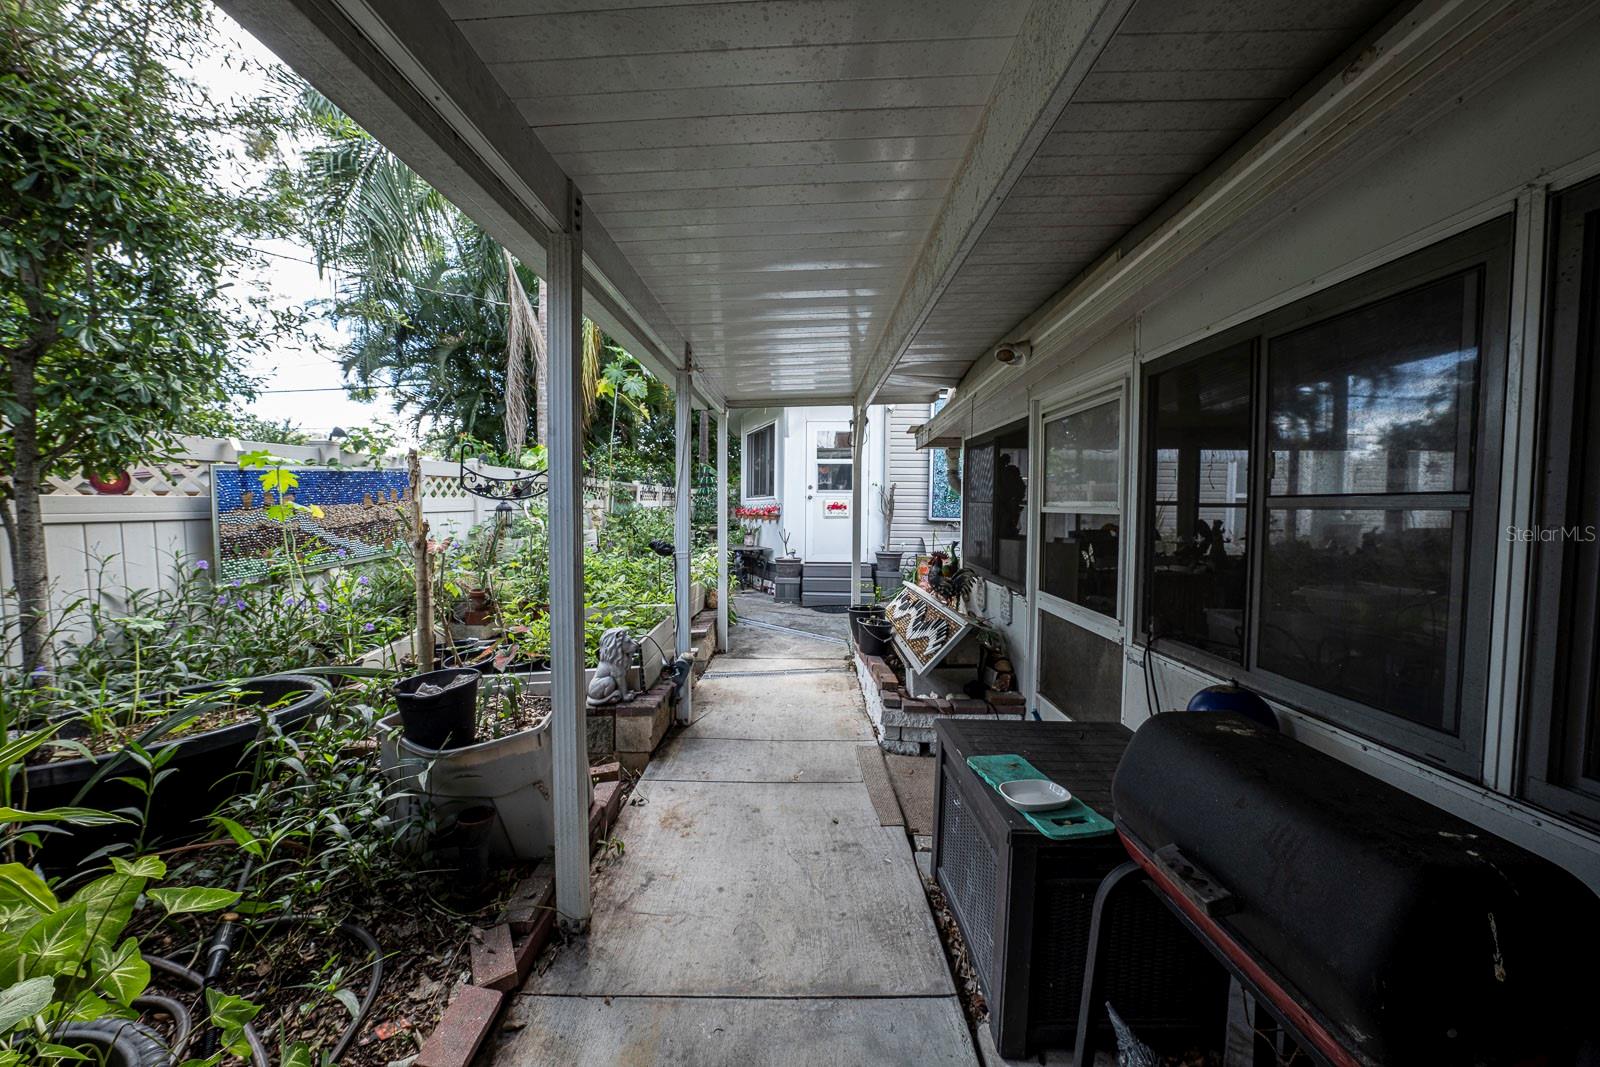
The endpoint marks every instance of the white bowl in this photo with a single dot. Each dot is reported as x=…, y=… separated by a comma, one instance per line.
x=1034, y=794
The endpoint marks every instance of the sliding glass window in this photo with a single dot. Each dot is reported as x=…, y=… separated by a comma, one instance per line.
x=1322, y=492
x=1080, y=520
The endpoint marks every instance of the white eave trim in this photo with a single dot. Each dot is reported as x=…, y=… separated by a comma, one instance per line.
x=1435, y=53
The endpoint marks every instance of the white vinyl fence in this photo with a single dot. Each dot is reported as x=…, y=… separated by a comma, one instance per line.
x=107, y=545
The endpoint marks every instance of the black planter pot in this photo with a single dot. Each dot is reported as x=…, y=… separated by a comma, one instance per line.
x=875, y=637
x=860, y=613
x=208, y=768
x=788, y=568
x=448, y=719
x=889, y=563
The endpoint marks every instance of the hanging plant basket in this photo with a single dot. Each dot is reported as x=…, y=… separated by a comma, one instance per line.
x=502, y=487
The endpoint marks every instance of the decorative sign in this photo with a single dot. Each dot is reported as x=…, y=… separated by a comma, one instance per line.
x=944, y=491
x=361, y=518
x=836, y=509
x=924, y=629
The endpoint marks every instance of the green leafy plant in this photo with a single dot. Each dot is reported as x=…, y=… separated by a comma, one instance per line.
x=71, y=961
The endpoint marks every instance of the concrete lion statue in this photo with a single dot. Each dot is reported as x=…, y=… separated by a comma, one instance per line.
x=610, y=684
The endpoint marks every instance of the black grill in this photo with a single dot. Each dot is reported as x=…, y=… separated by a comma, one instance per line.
x=1378, y=928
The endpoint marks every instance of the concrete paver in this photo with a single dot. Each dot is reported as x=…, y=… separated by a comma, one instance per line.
x=760, y=913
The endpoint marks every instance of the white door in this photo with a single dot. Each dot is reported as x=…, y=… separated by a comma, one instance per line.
x=830, y=474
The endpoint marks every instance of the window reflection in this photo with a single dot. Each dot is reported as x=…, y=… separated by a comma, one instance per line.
x=1380, y=399
x=835, y=477
x=1079, y=558
x=1080, y=515
x=1200, y=431
x=1365, y=604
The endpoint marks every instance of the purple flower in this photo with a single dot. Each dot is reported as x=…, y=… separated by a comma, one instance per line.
x=237, y=582
x=221, y=600
x=202, y=564
x=369, y=627
x=341, y=553
x=40, y=672
x=363, y=580
x=239, y=605
x=322, y=605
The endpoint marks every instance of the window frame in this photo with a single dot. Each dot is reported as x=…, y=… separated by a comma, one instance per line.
x=1490, y=247
x=745, y=454
x=990, y=439
x=1550, y=636
x=1109, y=626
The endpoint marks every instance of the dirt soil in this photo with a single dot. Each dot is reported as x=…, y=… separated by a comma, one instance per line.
x=293, y=970
x=500, y=716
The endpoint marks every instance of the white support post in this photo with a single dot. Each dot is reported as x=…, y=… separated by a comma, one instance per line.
x=564, y=449
x=858, y=431
x=722, y=530
x=683, y=538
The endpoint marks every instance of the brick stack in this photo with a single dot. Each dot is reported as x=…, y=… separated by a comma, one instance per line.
x=907, y=724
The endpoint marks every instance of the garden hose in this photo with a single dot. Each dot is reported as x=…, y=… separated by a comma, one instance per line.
x=258, y=1051
x=182, y=1021
x=360, y=934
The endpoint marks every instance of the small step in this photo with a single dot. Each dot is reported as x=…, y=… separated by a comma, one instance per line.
x=833, y=585
x=834, y=570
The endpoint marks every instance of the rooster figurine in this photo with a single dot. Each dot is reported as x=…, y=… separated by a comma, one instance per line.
x=953, y=588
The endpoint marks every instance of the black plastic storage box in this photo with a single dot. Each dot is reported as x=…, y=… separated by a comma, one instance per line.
x=1024, y=901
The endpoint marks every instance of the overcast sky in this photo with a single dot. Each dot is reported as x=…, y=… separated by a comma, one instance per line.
x=300, y=382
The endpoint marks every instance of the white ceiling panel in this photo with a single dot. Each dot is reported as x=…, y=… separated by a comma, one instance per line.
x=756, y=66
x=774, y=169
x=690, y=29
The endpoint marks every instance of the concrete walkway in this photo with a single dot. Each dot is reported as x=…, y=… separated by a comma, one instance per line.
x=760, y=914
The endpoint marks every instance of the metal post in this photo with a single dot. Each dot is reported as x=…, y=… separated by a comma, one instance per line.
x=683, y=538
x=564, y=449
x=722, y=530
x=858, y=431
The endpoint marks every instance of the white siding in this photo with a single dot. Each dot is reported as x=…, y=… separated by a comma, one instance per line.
x=908, y=472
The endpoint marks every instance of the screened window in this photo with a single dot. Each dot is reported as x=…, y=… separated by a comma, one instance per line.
x=1562, y=750
x=1321, y=495
x=1200, y=432
x=760, y=461
x=995, y=504
x=1080, y=519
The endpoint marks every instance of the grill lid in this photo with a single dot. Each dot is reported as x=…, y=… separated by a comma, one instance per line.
x=1415, y=935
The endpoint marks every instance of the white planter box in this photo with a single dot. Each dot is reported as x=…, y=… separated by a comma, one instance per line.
x=510, y=774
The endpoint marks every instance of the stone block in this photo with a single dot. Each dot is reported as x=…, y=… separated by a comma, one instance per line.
x=599, y=726
x=532, y=899
x=529, y=947
x=461, y=1030
x=494, y=963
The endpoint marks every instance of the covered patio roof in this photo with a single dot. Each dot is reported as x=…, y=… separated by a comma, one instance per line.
x=825, y=201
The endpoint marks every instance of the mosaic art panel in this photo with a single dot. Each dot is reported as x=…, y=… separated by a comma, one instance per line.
x=361, y=518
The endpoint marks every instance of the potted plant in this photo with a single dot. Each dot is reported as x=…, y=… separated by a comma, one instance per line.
x=507, y=768
x=888, y=559
x=860, y=614
x=196, y=740
x=874, y=636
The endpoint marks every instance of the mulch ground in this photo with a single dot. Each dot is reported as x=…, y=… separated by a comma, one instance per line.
x=292, y=970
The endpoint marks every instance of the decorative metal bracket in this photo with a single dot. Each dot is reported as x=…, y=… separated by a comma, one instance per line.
x=502, y=487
